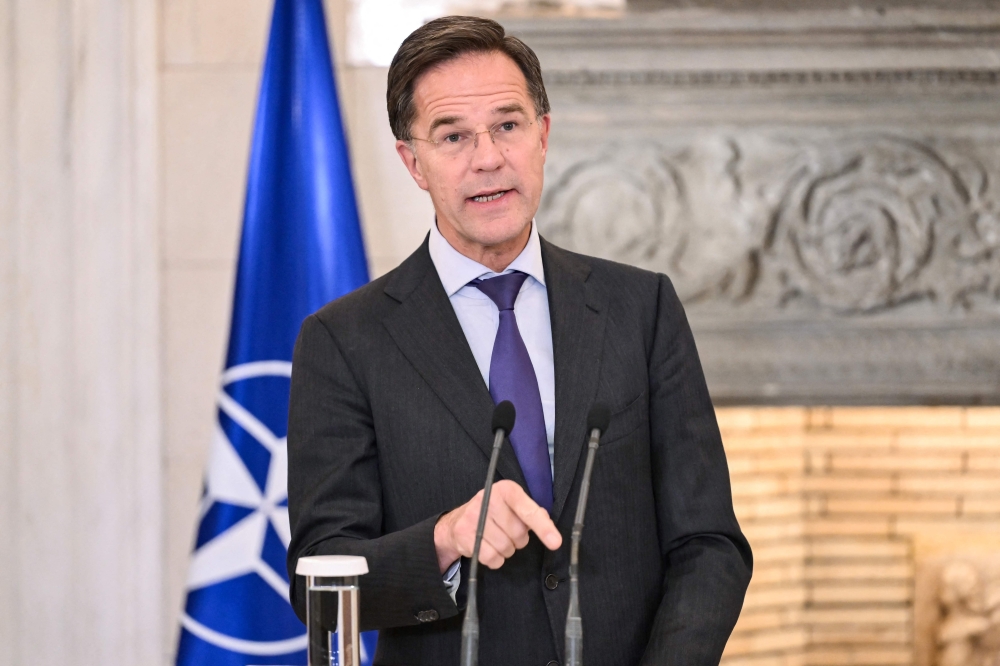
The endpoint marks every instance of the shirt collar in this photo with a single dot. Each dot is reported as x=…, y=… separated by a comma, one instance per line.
x=456, y=270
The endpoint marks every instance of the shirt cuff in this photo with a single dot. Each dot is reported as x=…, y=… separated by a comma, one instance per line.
x=452, y=579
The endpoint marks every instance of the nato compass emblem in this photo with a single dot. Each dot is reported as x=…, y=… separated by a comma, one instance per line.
x=237, y=610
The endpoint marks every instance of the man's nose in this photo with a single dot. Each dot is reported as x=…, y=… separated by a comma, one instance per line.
x=486, y=155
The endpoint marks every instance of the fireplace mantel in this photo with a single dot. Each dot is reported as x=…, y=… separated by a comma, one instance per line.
x=822, y=187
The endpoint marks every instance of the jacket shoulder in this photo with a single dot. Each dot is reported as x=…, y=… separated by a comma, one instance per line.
x=362, y=302
x=370, y=303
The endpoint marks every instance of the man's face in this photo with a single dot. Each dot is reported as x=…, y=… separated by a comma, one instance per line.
x=472, y=94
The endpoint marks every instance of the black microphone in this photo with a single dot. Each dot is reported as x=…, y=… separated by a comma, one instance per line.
x=503, y=423
x=597, y=423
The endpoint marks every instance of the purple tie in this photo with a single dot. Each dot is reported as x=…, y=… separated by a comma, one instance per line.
x=512, y=377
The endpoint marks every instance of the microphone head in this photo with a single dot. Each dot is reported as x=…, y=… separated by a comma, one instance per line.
x=503, y=416
x=598, y=418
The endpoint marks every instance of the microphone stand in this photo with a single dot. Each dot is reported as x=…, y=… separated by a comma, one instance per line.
x=597, y=422
x=503, y=423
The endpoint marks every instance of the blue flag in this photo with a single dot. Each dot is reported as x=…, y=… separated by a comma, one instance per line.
x=301, y=248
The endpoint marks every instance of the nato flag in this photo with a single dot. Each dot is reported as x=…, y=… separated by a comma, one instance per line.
x=301, y=247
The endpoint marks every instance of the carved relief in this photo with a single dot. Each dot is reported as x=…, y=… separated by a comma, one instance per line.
x=640, y=190
x=851, y=224
x=860, y=222
x=969, y=633
x=821, y=189
x=957, y=611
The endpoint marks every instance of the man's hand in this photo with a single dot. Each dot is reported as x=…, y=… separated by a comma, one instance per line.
x=511, y=514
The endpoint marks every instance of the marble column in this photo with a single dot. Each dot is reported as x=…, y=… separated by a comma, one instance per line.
x=7, y=461
x=80, y=498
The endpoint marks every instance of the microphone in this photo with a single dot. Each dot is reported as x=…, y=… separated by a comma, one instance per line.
x=597, y=423
x=503, y=423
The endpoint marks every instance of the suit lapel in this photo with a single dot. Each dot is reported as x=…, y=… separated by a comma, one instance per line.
x=578, y=312
x=428, y=333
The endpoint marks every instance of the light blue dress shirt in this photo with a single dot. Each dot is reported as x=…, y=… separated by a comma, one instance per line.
x=480, y=319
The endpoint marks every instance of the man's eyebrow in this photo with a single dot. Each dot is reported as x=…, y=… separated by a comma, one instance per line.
x=513, y=107
x=443, y=120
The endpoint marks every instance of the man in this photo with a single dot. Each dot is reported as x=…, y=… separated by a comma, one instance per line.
x=394, y=385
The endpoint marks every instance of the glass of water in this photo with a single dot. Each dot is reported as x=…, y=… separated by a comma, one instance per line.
x=332, y=597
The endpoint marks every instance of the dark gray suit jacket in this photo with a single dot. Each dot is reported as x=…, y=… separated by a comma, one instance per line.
x=389, y=427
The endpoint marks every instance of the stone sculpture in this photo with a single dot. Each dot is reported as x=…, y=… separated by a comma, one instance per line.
x=969, y=632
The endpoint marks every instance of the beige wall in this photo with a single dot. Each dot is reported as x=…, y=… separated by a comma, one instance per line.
x=210, y=62
x=835, y=502
x=80, y=553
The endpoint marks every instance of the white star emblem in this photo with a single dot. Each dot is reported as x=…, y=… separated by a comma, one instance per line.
x=237, y=551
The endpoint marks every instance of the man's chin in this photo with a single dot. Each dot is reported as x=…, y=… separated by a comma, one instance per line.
x=492, y=232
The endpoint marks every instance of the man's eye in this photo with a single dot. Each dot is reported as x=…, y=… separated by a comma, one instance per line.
x=452, y=138
x=508, y=126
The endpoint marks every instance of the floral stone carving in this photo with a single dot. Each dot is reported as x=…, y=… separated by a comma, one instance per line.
x=851, y=224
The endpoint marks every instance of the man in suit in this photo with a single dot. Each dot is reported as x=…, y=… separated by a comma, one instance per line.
x=393, y=387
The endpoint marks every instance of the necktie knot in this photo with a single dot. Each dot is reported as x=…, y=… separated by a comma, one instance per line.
x=503, y=289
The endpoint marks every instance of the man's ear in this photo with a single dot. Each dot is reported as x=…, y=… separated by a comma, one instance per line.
x=405, y=150
x=545, y=124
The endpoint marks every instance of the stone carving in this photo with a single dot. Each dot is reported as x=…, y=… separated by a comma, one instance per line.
x=860, y=221
x=852, y=224
x=969, y=631
x=626, y=204
x=821, y=188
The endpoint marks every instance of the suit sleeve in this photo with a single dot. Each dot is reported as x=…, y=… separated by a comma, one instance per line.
x=335, y=496
x=707, y=559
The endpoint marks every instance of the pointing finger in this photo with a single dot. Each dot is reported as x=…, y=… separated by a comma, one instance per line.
x=535, y=517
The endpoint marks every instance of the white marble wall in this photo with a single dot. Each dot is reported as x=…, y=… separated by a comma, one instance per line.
x=80, y=557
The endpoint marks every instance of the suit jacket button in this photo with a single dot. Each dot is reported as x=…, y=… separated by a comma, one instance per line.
x=552, y=583
x=552, y=663
x=427, y=616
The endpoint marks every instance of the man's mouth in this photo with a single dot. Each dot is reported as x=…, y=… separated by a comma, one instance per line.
x=493, y=196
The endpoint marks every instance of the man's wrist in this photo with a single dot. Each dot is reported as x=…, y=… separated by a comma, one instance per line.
x=446, y=552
